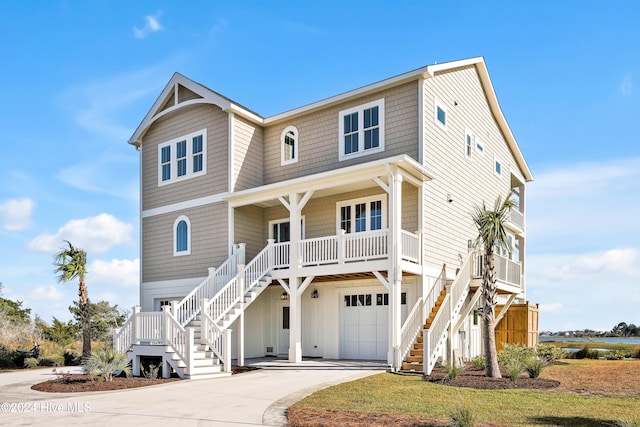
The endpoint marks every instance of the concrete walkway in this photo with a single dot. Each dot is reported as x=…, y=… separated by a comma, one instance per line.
x=253, y=398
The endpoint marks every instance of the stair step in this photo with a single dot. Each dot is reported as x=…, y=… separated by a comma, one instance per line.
x=414, y=359
x=415, y=352
x=412, y=367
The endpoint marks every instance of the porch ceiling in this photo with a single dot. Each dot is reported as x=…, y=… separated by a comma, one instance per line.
x=350, y=178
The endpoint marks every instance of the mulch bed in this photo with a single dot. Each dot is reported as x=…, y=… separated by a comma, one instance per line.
x=307, y=417
x=83, y=383
x=473, y=378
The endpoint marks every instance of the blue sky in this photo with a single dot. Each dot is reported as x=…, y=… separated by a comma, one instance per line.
x=79, y=76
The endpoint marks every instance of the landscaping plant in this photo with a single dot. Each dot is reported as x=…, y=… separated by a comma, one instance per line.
x=105, y=363
x=462, y=416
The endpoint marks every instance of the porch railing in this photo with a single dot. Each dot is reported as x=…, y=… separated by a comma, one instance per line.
x=411, y=246
x=506, y=270
x=516, y=217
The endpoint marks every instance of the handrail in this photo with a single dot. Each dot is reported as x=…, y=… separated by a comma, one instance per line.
x=123, y=336
x=176, y=337
x=213, y=336
x=410, y=330
x=187, y=309
x=410, y=246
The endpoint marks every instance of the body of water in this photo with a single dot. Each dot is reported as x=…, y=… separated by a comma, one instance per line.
x=617, y=340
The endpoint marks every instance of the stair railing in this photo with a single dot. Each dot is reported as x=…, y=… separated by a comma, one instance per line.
x=187, y=309
x=176, y=336
x=410, y=330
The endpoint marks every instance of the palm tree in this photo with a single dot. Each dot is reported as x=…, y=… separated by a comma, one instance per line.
x=71, y=263
x=491, y=236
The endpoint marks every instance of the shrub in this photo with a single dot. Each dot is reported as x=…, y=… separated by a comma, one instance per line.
x=512, y=353
x=585, y=353
x=453, y=370
x=462, y=416
x=514, y=369
x=106, y=362
x=479, y=362
x=31, y=362
x=629, y=423
x=55, y=360
x=152, y=372
x=534, y=366
x=7, y=363
x=71, y=358
x=549, y=352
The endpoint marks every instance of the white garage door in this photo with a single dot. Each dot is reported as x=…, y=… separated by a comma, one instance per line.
x=364, y=322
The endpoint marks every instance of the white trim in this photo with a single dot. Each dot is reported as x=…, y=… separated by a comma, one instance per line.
x=382, y=197
x=173, y=161
x=282, y=220
x=175, y=236
x=421, y=129
x=231, y=151
x=468, y=143
x=361, y=130
x=193, y=203
x=437, y=104
x=296, y=145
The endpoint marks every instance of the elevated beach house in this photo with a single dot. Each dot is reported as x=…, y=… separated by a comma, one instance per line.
x=341, y=229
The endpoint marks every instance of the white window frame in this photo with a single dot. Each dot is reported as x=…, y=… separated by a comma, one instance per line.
x=469, y=142
x=497, y=163
x=479, y=146
x=437, y=104
x=175, y=236
x=361, y=131
x=367, y=201
x=173, y=161
x=281, y=220
x=283, y=146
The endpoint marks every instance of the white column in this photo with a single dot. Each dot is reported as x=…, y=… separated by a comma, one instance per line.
x=295, y=320
x=395, y=269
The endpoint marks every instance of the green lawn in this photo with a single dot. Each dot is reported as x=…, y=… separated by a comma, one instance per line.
x=410, y=395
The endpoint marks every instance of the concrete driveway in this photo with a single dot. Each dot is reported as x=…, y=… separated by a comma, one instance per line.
x=253, y=398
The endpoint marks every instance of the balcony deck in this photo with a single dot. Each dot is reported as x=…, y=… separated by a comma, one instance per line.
x=508, y=274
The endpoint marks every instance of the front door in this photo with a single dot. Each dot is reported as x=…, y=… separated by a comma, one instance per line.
x=283, y=327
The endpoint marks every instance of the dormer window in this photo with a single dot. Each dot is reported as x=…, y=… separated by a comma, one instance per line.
x=362, y=130
x=289, y=145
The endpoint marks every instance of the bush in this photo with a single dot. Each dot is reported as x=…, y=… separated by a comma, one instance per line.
x=514, y=354
x=534, y=366
x=549, y=352
x=71, y=358
x=514, y=369
x=585, y=353
x=7, y=363
x=479, y=362
x=56, y=360
x=453, y=370
x=31, y=362
x=106, y=362
x=462, y=416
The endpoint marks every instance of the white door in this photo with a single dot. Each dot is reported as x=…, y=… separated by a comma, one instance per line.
x=364, y=325
x=283, y=328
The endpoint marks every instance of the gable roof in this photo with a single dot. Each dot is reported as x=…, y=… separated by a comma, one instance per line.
x=164, y=105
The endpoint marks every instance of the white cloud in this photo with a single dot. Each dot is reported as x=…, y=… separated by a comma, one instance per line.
x=152, y=25
x=46, y=293
x=95, y=235
x=97, y=176
x=626, y=86
x=117, y=273
x=614, y=263
x=553, y=307
x=15, y=214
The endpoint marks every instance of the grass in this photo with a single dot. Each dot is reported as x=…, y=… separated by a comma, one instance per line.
x=410, y=395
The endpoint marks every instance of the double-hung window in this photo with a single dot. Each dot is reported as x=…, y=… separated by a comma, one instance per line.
x=362, y=130
x=182, y=158
x=360, y=215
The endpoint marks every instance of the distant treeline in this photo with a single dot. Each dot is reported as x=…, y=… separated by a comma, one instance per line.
x=622, y=329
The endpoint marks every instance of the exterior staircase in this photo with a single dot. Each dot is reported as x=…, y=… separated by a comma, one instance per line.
x=415, y=359
x=192, y=335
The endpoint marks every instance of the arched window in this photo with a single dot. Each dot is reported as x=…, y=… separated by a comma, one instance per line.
x=289, y=140
x=182, y=236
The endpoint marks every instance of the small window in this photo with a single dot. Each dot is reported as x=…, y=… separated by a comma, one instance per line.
x=182, y=236
x=440, y=115
x=479, y=146
x=468, y=144
x=497, y=168
x=361, y=130
x=289, y=145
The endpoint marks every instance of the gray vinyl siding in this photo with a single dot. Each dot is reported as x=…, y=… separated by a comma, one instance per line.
x=449, y=225
x=248, y=154
x=318, y=139
x=176, y=124
x=185, y=94
x=209, y=246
